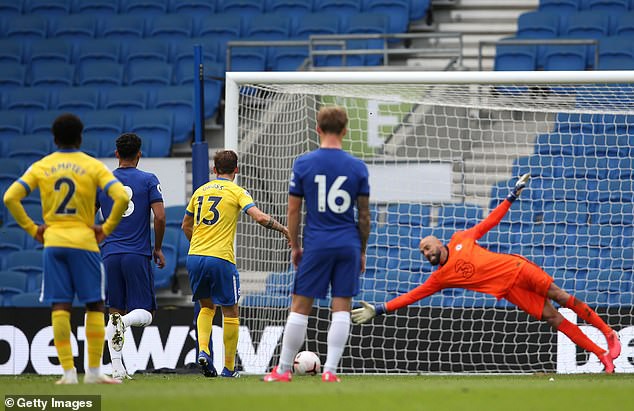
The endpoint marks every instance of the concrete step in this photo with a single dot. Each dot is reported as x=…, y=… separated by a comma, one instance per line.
x=497, y=4
x=489, y=15
x=484, y=27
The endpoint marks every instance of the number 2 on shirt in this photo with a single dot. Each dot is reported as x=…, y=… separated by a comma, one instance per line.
x=330, y=198
x=63, y=206
x=214, y=200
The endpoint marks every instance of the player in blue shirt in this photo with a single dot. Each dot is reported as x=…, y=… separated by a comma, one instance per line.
x=331, y=182
x=127, y=253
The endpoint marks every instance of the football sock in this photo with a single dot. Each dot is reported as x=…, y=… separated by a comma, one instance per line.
x=115, y=356
x=137, y=318
x=60, y=320
x=337, y=338
x=95, y=333
x=294, y=336
x=587, y=314
x=203, y=324
x=578, y=337
x=230, y=327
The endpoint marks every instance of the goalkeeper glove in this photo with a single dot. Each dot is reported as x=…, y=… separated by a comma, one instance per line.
x=367, y=312
x=519, y=186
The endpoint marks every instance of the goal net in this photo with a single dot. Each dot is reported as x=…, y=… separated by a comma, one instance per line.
x=443, y=149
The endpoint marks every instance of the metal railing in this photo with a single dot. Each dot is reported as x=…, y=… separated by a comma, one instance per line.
x=539, y=42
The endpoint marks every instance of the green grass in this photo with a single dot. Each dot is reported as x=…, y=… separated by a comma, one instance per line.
x=399, y=393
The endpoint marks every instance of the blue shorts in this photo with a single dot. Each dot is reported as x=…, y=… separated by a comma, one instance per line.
x=70, y=271
x=338, y=267
x=130, y=282
x=215, y=278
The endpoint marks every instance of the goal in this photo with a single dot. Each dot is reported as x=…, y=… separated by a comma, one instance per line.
x=442, y=150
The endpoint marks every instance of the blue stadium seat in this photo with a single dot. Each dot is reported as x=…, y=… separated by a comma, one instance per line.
x=538, y=165
x=27, y=100
x=624, y=170
x=96, y=7
x=566, y=212
x=515, y=58
x=279, y=283
x=222, y=27
x=11, y=124
x=48, y=7
x=287, y=58
x=615, y=191
x=616, y=53
x=573, y=123
x=26, y=300
x=179, y=100
x=98, y=50
x=565, y=57
x=124, y=27
x=538, y=25
x=214, y=79
x=396, y=10
x=11, y=8
x=41, y=122
x=12, y=75
x=193, y=7
x=612, y=7
x=91, y=145
x=102, y=74
x=29, y=147
x=578, y=190
x=600, y=145
x=247, y=8
x=613, y=124
x=555, y=144
x=125, y=98
x=316, y=23
x=459, y=216
x=183, y=248
x=625, y=25
x=149, y=73
x=586, y=167
x=366, y=23
x=103, y=123
x=11, y=51
x=99, y=144
x=247, y=59
x=608, y=235
x=155, y=127
x=294, y=9
x=26, y=27
x=266, y=300
x=74, y=27
x=184, y=50
x=174, y=216
x=409, y=213
x=52, y=74
x=77, y=99
x=50, y=51
x=419, y=9
x=345, y=9
x=11, y=240
x=146, y=50
x=588, y=24
x=560, y=6
x=12, y=283
x=269, y=26
x=25, y=261
x=144, y=7
x=170, y=26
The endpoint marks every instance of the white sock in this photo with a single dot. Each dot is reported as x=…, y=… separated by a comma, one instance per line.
x=71, y=374
x=137, y=318
x=94, y=371
x=294, y=336
x=337, y=338
x=115, y=356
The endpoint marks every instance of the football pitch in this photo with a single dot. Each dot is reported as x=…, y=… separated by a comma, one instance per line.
x=401, y=393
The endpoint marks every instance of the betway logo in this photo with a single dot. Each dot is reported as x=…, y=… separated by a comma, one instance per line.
x=567, y=350
x=136, y=355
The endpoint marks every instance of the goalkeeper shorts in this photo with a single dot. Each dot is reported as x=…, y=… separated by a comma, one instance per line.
x=530, y=290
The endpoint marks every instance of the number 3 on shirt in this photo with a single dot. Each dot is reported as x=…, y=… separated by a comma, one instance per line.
x=214, y=200
x=335, y=192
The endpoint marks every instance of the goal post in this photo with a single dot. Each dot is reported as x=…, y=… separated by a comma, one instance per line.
x=443, y=148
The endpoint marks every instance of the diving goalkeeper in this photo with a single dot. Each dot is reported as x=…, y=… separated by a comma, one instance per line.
x=464, y=264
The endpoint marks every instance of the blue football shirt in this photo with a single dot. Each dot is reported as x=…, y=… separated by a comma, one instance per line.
x=330, y=180
x=132, y=235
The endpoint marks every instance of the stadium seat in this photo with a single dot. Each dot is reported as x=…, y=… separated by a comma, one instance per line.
x=294, y=9
x=123, y=27
x=515, y=58
x=29, y=147
x=26, y=300
x=222, y=27
x=11, y=124
x=588, y=24
x=419, y=9
x=125, y=98
x=12, y=75
x=41, y=122
x=48, y=7
x=52, y=74
x=102, y=74
x=615, y=191
x=184, y=50
x=316, y=23
x=91, y=145
x=77, y=99
x=11, y=8
x=179, y=101
x=247, y=59
x=214, y=75
x=538, y=25
x=96, y=7
x=11, y=240
x=460, y=216
x=163, y=277
x=144, y=8
x=612, y=7
x=625, y=25
x=170, y=26
x=410, y=214
x=624, y=170
x=12, y=283
x=279, y=283
x=615, y=53
x=366, y=23
x=27, y=100
x=155, y=127
x=11, y=51
x=562, y=7
x=103, y=123
x=174, y=215
x=566, y=212
x=610, y=234
x=247, y=8
x=74, y=27
x=573, y=123
x=265, y=300
x=555, y=144
x=193, y=7
x=587, y=167
x=27, y=27
x=183, y=248
x=50, y=51
x=538, y=165
x=565, y=57
x=148, y=73
x=396, y=10
x=269, y=26
x=146, y=50
x=29, y=262
x=287, y=58
x=98, y=50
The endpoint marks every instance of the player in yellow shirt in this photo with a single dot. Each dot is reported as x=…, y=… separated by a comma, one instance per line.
x=68, y=181
x=210, y=224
